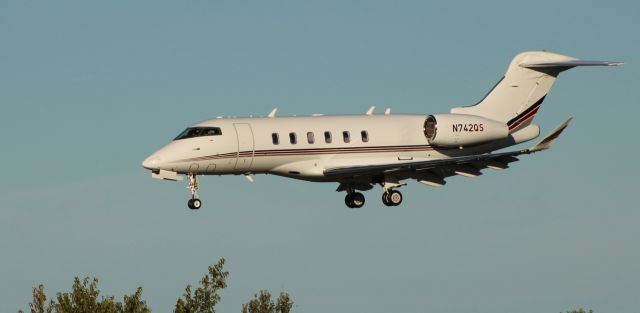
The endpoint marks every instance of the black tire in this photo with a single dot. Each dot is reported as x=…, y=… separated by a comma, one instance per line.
x=385, y=199
x=190, y=204
x=196, y=204
x=357, y=200
x=348, y=200
x=395, y=197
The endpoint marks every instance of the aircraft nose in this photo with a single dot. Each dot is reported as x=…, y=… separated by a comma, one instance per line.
x=152, y=162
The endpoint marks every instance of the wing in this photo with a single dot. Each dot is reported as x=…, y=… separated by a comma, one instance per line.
x=462, y=165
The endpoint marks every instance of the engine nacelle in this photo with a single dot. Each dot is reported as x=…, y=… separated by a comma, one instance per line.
x=459, y=130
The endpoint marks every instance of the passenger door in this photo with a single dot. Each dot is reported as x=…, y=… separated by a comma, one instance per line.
x=245, y=146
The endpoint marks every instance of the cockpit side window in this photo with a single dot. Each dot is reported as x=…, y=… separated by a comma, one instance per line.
x=199, y=132
x=211, y=131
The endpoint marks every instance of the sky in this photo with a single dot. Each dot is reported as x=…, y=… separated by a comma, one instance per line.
x=89, y=89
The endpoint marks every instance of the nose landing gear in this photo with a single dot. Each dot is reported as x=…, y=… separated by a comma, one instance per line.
x=194, y=203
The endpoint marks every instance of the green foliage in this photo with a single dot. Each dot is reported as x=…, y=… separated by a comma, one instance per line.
x=83, y=298
x=39, y=302
x=262, y=303
x=135, y=304
x=205, y=297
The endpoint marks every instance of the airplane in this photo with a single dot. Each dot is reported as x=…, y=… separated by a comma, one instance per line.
x=361, y=151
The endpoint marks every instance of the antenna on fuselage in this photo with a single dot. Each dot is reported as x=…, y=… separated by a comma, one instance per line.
x=387, y=111
x=273, y=112
x=370, y=111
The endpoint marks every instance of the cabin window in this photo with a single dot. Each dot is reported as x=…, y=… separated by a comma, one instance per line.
x=310, y=138
x=199, y=132
x=327, y=137
x=275, y=138
x=292, y=138
x=365, y=136
x=346, y=137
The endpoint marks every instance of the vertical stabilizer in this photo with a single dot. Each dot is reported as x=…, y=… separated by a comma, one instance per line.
x=517, y=97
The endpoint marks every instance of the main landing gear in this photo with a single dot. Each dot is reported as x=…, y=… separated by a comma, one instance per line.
x=355, y=199
x=194, y=203
x=392, y=198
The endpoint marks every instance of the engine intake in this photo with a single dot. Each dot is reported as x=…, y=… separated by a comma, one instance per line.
x=459, y=130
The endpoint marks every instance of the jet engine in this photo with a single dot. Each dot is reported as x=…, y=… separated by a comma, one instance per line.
x=459, y=130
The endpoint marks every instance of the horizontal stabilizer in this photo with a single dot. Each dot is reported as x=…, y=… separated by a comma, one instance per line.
x=571, y=63
x=549, y=139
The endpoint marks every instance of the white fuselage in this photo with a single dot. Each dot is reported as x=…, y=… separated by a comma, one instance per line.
x=360, y=151
x=304, y=146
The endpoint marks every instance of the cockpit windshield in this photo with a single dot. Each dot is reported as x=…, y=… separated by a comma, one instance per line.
x=199, y=132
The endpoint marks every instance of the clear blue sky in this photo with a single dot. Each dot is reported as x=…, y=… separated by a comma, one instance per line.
x=88, y=89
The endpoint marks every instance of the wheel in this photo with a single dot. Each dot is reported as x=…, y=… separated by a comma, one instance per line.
x=348, y=200
x=196, y=204
x=395, y=197
x=357, y=200
x=385, y=199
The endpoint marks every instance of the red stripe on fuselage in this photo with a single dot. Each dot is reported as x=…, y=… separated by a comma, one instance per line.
x=289, y=152
x=524, y=118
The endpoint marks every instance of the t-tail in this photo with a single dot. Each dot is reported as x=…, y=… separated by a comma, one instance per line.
x=517, y=97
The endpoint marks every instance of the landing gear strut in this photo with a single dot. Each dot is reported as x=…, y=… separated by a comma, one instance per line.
x=194, y=203
x=390, y=196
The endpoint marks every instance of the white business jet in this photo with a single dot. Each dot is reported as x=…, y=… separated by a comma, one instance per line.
x=361, y=151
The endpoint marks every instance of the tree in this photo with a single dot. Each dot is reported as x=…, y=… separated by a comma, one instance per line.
x=580, y=310
x=39, y=302
x=83, y=298
x=205, y=297
x=262, y=303
x=135, y=304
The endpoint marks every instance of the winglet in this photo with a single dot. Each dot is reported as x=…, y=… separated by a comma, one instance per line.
x=273, y=112
x=549, y=139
